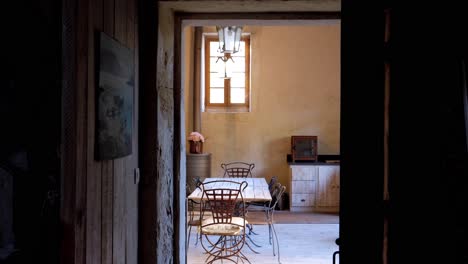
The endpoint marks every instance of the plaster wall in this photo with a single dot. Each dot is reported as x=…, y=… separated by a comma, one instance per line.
x=295, y=90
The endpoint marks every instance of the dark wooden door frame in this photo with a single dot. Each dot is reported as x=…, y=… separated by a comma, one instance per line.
x=148, y=131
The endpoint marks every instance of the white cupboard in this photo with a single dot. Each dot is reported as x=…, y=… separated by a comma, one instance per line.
x=328, y=188
x=303, y=186
x=315, y=188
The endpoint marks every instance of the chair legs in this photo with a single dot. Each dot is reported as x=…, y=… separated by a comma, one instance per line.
x=189, y=231
x=225, y=248
x=337, y=241
x=255, y=244
x=191, y=223
x=334, y=256
x=273, y=237
x=250, y=227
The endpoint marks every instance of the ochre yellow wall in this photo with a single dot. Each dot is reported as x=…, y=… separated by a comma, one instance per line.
x=295, y=90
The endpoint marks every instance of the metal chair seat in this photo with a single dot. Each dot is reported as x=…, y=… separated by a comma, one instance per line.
x=234, y=228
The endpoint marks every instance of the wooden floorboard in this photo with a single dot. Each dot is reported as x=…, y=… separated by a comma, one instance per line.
x=287, y=217
x=299, y=244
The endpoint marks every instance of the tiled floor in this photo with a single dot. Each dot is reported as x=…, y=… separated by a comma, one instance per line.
x=299, y=244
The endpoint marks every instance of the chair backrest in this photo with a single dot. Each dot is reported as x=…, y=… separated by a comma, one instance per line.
x=237, y=169
x=192, y=184
x=272, y=184
x=222, y=196
x=278, y=191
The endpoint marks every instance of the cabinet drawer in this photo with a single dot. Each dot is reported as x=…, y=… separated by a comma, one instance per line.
x=303, y=200
x=303, y=173
x=303, y=187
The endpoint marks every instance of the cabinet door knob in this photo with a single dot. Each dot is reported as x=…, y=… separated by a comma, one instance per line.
x=302, y=200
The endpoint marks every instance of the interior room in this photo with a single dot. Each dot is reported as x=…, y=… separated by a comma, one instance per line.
x=290, y=81
x=297, y=94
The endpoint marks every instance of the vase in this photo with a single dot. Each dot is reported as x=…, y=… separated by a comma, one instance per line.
x=196, y=147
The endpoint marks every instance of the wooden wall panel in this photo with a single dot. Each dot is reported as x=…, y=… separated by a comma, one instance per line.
x=81, y=132
x=119, y=219
x=108, y=17
x=94, y=168
x=100, y=205
x=120, y=194
x=131, y=180
x=107, y=212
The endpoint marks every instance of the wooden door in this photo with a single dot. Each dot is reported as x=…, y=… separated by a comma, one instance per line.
x=99, y=207
x=125, y=240
x=328, y=186
x=119, y=237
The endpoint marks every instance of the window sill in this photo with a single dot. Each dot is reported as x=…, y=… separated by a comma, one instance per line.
x=230, y=109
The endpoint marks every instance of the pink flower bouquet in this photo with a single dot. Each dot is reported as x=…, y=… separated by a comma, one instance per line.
x=195, y=136
x=196, y=142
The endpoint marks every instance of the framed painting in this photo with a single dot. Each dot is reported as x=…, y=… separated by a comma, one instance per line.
x=115, y=99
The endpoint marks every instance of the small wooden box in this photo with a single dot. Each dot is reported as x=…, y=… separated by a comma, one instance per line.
x=304, y=148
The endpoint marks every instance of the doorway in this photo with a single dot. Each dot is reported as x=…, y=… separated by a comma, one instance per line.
x=264, y=31
x=357, y=89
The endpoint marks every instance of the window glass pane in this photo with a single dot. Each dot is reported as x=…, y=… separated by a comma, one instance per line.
x=236, y=70
x=238, y=65
x=237, y=95
x=241, y=51
x=238, y=79
x=216, y=95
x=216, y=66
x=216, y=81
x=214, y=45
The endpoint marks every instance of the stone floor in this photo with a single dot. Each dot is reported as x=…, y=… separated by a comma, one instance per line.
x=299, y=244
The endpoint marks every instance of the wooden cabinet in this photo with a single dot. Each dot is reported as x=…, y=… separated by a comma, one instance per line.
x=315, y=188
x=303, y=186
x=328, y=188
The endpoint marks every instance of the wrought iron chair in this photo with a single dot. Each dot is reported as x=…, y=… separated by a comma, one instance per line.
x=223, y=234
x=237, y=169
x=272, y=183
x=269, y=210
x=192, y=207
x=337, y=241
x=271, y=188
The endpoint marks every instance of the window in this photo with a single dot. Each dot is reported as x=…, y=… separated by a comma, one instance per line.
x=227, y=94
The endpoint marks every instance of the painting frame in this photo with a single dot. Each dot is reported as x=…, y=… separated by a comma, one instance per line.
x=114, y=99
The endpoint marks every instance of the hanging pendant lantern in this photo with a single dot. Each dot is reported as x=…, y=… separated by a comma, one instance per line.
x=227, y=63
x=229, y=39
